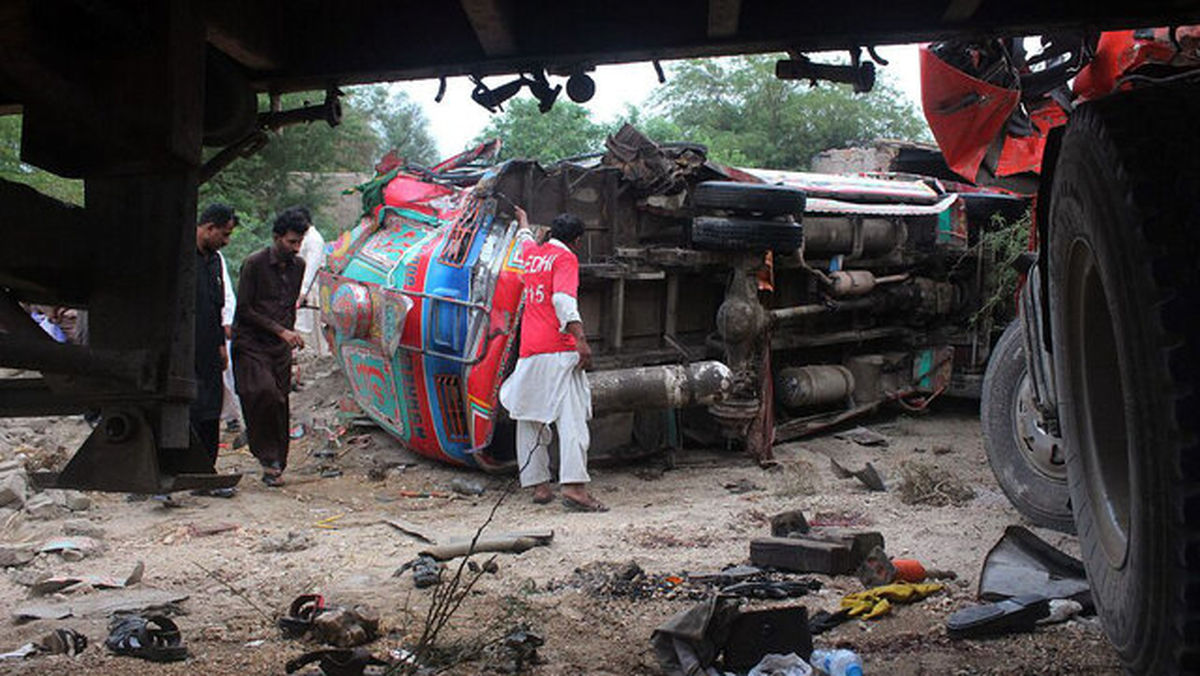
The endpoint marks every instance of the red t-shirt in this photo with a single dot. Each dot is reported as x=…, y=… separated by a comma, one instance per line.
x=550, y=268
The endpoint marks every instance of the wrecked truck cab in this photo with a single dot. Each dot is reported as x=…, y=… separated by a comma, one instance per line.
x=421, y=299
x=724, y=305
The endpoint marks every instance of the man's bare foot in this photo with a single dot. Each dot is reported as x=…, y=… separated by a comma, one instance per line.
x=542, y=494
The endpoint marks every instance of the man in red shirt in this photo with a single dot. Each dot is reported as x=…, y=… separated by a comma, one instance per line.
x=548, y=384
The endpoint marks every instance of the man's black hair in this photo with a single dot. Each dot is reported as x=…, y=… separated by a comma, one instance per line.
x=294, y=219
x=566, y=228
x=217, y=214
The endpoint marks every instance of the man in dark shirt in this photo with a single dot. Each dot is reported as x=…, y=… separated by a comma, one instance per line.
x=263, y=339
x=212, y=233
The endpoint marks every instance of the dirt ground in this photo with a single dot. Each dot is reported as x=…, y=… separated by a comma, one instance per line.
x=669, y=521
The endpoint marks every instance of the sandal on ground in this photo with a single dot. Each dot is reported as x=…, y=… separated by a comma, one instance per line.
x=301, y=613
x=573, y=505
x=336, y=662
x=154, y=637
x=272, y=479
x=63, y=642
x=543, y=499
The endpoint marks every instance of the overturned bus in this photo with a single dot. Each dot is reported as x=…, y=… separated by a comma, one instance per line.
x=723, y=305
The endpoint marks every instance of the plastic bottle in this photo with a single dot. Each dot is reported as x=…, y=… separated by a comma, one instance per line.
x=837, y=662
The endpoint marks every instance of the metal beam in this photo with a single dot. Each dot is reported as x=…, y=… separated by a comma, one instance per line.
x=490, y=19
x=28, y=397
x=723, y=18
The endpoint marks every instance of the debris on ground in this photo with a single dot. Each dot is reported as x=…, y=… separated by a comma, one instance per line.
x=781, y=665
x=300, y=615
x=797, y=478
x=464, y=486
x=877, y=601
x=155, y=638
x=411, y=530
x=741, y=486
x=73, y=548
x=290, y=541
x=336, y=661
x=1018, y=614
x=101, y=603
x=346, y=627
x=754, y=634
x=925, y=484
x=831, y=551
x=427, y=571
x=789, y=524
x=868, y=475
x=1061, y=610
x=82, y=527
x=13, y=554
x=862, y=436
x=53, y=584
x=58, y=642
x=1022, y=563
x=690, y=641
x=516, y=652
x=514, y=543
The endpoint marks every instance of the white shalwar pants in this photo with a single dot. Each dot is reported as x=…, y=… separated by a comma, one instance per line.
x=544, y=389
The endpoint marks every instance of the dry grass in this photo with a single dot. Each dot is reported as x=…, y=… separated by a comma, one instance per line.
x=926, y=484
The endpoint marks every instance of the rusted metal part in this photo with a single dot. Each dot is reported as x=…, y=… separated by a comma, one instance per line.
x=659, y=387
x=121, y=455
x=851, y=282
x=814, y=385
x=853, y=236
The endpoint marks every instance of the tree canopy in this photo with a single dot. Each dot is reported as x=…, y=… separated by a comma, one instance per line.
x=565, y=131
x=746, y=116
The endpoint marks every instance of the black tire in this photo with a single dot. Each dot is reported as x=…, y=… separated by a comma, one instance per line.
x=1027, y=461
x=743, y=234
x=749, y=198
x=1124, y=290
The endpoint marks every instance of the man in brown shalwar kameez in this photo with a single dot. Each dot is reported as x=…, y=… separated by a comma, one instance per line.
x=263, y=339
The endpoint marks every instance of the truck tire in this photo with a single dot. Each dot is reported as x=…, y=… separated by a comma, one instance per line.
x=749, y=198
x=1124, y=289
x=743, y=234
x=1027, y=461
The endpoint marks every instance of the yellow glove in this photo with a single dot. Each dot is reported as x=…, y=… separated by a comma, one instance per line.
x=905, y=592
x=876, y=602
x=882, y=608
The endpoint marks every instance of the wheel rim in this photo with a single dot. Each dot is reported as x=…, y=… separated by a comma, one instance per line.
x=1099, y=410
x=1040, y=449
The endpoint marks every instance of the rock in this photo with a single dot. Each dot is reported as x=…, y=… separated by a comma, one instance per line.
x=76, y=501
x=289, y=542
x=15, y=554
x=42, y=506
x=464, y=486
x=82, y=527
x=14, y=488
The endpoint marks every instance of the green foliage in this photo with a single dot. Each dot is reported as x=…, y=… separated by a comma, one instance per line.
x=567, y=130
x=1000, y=245
x=286, y=171
x=12, y=169
x=747, y=117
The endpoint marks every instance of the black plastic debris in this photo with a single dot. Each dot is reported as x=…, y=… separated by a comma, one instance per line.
x=1021, y=563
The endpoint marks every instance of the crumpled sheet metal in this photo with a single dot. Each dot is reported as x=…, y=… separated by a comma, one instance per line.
x=1022, y=563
